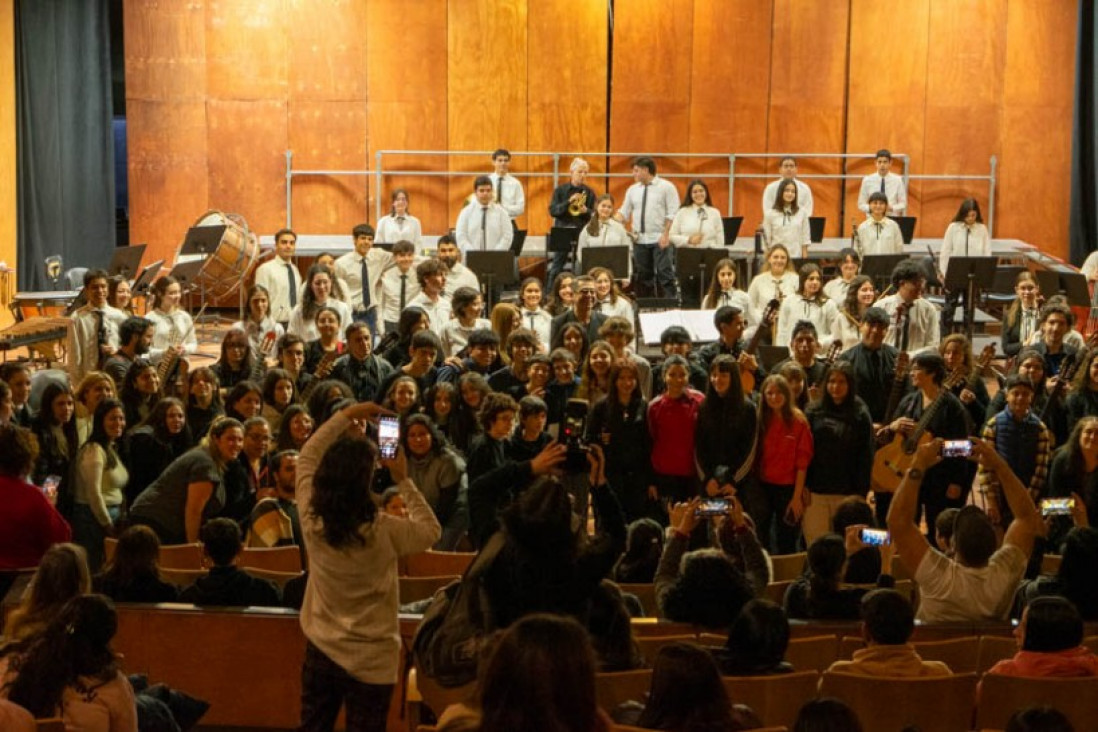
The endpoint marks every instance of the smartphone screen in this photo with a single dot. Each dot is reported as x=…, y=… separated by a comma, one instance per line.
x=875, y=537
x=712, y=507
x=388, y=436
x=1057, y=506
x=956, y=448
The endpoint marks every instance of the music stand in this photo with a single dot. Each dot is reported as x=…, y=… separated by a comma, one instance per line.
x=907, y=227
x=561, y=240
x=816, y=226
x=732, y=226
x=126, y=261
x=1071, y=284
x=145, y=279
x=879, y=267
x=517, y=242
x=202, y=240
x=698, y=259
x=970, y=275
x=615, y=259
x=498, y=268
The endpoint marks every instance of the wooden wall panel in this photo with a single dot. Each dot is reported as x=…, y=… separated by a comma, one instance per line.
x=808, y=94
x=486, y=88
x=964, y=97
x=567, y=95
x=165, y=50
x=1038, y=99
x=327, y=48
x=8, y=185
x=248, y=49
x=886, y=92
x=730, y=94
x=407, y=110
x=328, y=135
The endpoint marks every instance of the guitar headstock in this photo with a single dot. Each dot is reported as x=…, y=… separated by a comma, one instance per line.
x=903, y=363
x=986, y=355
x=833, y=352
x=1068, y=368
x=771, y=312
x=955, y=377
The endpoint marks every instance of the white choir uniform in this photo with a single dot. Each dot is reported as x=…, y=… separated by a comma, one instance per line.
x=305, y=328
x=962, y=241
x=923, y=325
x=349, y=270
x=844, y=330
x=880, y=237
x=797, y=308
x=391, y=229
x=163, y=323
x=764, y=288
x=459, y=276
x=275, y=276
x=837, y=289
x=438, y=312
x=894, y=189
x=735, y=299
x=512, y=197
x=704, y=220
x=804, y=196
x=82, y=340
x=258, y=333
x=539, y=321
x=455, y=336
x=788, y=229
x=611, y=234
x=484, y=228
x=390, y=304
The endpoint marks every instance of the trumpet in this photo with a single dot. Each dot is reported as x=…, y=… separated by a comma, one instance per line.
x=577, y=204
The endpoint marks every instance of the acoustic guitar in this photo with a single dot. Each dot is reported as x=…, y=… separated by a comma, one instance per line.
x=747, y=378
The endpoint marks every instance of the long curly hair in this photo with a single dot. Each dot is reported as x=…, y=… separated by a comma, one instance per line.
x=341, y=491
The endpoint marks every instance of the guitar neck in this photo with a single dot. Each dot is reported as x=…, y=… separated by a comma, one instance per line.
x=894, y=396
x=929, y=412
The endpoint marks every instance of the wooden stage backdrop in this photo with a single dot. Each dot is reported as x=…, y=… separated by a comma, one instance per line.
x=217, y=91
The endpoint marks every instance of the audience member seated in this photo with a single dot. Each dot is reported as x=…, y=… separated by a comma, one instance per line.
x=540, y=676
x=687, y=694
x=1050, y=643
x=978, y=583
x=643, y=547
x=275, y=520
x=227, y=585
x=1039, y=719
x=819, y=595
x=703, y=587
x=439, y=473
x=1075, y=579
x=757, y=642
x=863, y=566
x=827, y=715
x=29, y=524
x=887, y=623
x=611, y=634
x=133, y=573
x=154, y=444
x=62, y=575
x=70, y=671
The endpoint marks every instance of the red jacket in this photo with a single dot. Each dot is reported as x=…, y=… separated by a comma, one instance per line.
x=783, y=450
x=29, y=525
x=1072, y=662
x=671, y=424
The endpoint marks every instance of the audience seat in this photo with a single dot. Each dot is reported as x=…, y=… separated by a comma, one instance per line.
x=1001, y=696
x=421, y=588
x=172, y=556
x=646, y=593
x=1091, y=642
x=277, y=558
x=436, y=564
x=1050, y=563
x=612, y=689
x=776, y=699
x=787, y=566
x=424, y=692
x=775, y=592
x=933, y=704
x=647, y=627
x=992, y=649
x=815, y=653
x=53, y=724
x=650, y=646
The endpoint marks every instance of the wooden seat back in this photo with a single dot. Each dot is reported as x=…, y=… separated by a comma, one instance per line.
x=436, y=564
x=275, y=558
x=776, y=699
x=932, y=704
x=613, y=689
x=1001, y=696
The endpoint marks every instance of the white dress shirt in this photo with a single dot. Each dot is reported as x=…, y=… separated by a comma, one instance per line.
x=455, y=336
x=704, y=220
x=82, y=341
x=163, y=323
x=736, y=299
x=894, y=189
x=977, y=243
x=788, y=229
x=837, y=289
x=804, y=196
x=459, y=276
x=349, y=270
x=484, y=228
x=258, y=334
x=391, y=229
x=924, y=324
x=844, y=330
x=390, y=293
x=305, y=328
x=880, y=237
x=275, y=277
x=438, y=312
x=622, y=308
x=797, y=308
x=513, y=199
x=765, y=287
x=611, y=234
x=539, y=321
x=659, y=207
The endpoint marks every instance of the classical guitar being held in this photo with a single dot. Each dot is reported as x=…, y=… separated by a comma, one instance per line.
x=893, y=460
x=747, y=378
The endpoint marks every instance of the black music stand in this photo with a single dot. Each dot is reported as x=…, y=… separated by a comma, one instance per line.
x=518, y=241
x=615, y=259
x=493, y=268
x=202, y=240
x=970, y=275
x=145, y=279
x=561, y=240
x=907, y=227
x=732, y=226
x=879, y=267
x=699, y=260
x=816, y=226
x=1073, y=285
x=126, y=261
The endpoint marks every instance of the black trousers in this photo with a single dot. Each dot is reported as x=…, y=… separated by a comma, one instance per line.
x=326, y=686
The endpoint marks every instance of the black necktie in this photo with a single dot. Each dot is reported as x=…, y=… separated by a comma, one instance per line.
x=403, y=289
x=100, y=337
x=883, y=185
x=531, y=321
x=484, y=227
x=644, y=206
x=499, y=189
x=878, y=225
x=293, y=284
x=875, y=367
x=365, y=284
x=966, y=240
x=906, y=330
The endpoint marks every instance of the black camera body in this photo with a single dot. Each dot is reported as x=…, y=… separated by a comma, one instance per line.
x=572, y=434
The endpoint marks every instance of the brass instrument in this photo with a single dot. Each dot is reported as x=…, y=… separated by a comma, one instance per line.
x=577, y=204
x=167, y=366
x=323, y=368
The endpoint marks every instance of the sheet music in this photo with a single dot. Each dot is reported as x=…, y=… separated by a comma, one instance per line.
x=698, y=323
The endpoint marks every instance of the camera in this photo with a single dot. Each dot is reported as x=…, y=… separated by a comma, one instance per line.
x=572, y=433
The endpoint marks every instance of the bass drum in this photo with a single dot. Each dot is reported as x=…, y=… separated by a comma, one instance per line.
x=236, y=253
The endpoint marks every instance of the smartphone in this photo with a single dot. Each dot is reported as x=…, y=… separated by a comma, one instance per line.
x=956, y=448
x=875, y=537
x=1057, y=506
x=388, y=436
x=49, y=487
x=712, y=507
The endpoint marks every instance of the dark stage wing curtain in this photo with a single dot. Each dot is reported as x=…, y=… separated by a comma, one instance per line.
x=1084, y=164
x=65, y=147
